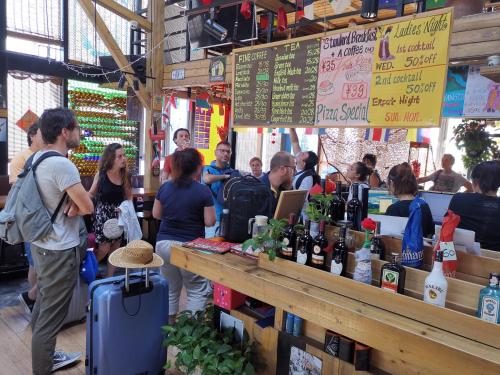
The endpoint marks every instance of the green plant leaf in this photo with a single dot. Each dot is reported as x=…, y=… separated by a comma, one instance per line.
x=272, y=254
x=224, y=349
x=249, y=369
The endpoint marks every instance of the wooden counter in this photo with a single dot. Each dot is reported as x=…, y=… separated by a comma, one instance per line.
x=401, y=345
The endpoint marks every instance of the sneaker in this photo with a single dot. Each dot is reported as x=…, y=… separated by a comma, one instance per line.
x=63, y=359
x=27, y=302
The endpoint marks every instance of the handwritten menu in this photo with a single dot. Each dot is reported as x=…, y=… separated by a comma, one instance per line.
x=252, y=86
x=408, y=81
x=344, y=78
x=482, y=95
x=294, y=82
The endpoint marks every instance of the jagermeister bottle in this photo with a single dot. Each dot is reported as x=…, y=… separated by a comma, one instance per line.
x=392, y=275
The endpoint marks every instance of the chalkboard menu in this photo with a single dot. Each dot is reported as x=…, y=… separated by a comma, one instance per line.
x=277, y=85
x=252, y=86
x=294, y=84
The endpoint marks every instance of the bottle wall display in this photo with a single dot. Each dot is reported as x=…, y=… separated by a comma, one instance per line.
x=102, y=116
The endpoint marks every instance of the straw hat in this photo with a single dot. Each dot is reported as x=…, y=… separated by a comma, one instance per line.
x=137, y=254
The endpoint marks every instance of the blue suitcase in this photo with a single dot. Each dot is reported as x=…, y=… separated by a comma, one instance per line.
x=124, y=328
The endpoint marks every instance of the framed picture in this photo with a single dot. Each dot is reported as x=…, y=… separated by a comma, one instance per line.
x=303, y=363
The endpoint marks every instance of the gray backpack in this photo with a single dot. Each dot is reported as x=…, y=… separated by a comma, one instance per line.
x=24, y=217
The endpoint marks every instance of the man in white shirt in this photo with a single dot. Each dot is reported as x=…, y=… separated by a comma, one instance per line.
x=57, y=257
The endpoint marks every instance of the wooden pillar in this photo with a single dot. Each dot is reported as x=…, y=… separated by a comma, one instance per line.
x=156, y=15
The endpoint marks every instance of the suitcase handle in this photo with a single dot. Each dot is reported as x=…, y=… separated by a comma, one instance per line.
x=127, y=279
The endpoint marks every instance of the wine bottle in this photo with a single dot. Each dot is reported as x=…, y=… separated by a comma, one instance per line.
x=320, y=243
x=304, y=245
x=377, y=248
x=392, y=275
x=436, y=285
x=354, y=208
x=288, y=250
x=489, y=301
x=337, y=207
x=340, y=251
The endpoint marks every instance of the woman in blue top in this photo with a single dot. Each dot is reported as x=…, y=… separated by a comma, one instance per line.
x=184, y=207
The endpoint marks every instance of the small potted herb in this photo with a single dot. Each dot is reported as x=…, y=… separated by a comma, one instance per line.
x=270, y=241
x=318, y=209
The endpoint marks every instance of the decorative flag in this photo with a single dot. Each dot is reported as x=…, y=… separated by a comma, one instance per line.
x=28, y=119
x=433, y=4
x=419, y=135
x=377, y=134
x=315, y=131
x=246, y=9
x=282, y=21
x=263, y=22
x=305, y=9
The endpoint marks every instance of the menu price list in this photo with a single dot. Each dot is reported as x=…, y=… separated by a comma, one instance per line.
x=252, y=86
x=295, y=77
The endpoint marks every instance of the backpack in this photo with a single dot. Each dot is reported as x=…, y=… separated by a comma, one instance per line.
x=25, y=218
x=307, y=173
x=220, y=194
x=245, y=197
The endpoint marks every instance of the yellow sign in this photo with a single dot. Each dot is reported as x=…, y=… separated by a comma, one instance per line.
x=409, y=72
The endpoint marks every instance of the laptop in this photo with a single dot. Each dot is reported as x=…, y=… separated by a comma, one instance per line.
x=290, y=201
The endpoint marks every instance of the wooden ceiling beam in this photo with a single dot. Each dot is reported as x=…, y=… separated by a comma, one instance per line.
x=113, y=47
x=125, y=13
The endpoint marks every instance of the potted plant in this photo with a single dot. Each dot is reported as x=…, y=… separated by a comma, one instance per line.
x=201, y=349
x=270, y=241
x=474, y=139
x=318, y=209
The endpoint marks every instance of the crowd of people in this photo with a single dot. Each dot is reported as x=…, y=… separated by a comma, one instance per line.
x=189, y=204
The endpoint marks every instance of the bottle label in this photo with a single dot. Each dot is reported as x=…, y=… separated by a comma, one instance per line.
x=490, y=309
x=435, y=294
x=287, y=251
x=336, y=268
x=317, y=259
x=301, y=256
x=390, y=280
x=316, y=249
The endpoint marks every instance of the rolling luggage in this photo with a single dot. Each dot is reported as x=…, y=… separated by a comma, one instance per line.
x=124, y=325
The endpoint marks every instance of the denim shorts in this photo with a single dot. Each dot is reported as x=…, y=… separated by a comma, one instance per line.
x=27, y=251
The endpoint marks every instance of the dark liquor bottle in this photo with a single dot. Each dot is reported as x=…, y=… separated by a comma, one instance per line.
x=354, y=208
x=320, y=243
x=289, y=239
x=304, y=245
x=377, y=248
x=340, y=251
x=337, y=207
x=392, y=275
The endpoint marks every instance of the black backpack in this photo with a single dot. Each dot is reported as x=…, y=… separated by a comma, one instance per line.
x=245, y=197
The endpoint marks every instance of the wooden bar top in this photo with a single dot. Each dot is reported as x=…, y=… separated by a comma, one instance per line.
x=401, y=345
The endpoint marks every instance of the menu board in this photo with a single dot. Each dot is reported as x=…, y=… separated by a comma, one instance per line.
x=294, y=82
x=386, y=74
x=344, y=78
x=409, y=72
x=252, y=86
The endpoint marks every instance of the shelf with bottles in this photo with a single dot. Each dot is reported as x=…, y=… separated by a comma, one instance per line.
x=97, y=98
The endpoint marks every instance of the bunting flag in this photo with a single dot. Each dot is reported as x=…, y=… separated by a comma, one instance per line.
x=377, y=134
x=419, y=135
x=305, y=9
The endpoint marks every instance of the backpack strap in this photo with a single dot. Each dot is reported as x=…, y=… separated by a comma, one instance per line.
x=307, y=173
x=33, y=166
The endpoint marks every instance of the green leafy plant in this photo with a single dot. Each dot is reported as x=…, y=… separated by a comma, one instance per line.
x=201, y=346
x=270, y=240
x=473, y=138
x=319, y=207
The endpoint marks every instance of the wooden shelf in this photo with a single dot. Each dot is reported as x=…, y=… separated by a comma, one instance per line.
x=491, y=72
